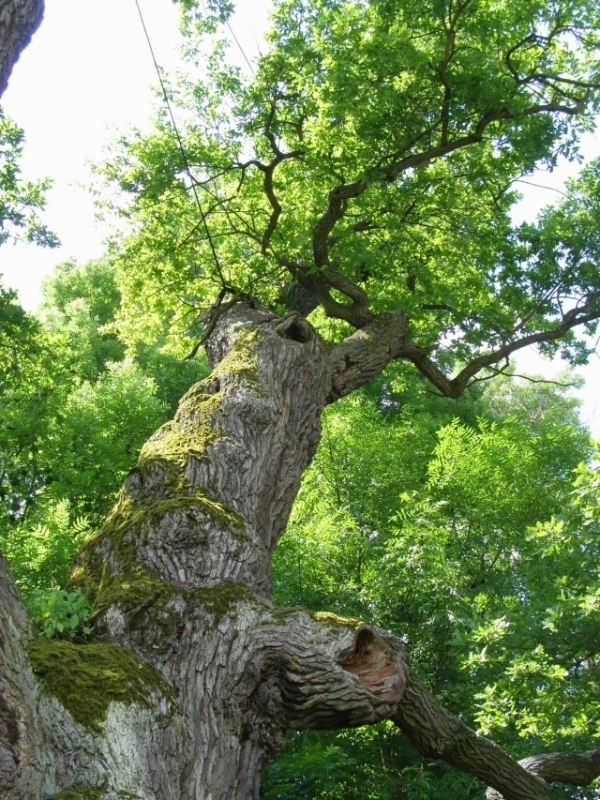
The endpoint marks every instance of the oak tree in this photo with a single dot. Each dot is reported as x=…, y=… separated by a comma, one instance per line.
x=363, y=176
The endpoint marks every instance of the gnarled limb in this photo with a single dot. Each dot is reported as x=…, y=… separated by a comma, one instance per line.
x=588, y=311
x=438, y=734
x=366, y=353
x=576, y=770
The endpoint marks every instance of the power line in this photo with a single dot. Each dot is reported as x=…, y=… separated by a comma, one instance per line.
x=181, y=147
x=235, y=39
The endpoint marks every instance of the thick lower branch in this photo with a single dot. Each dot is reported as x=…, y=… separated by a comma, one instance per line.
x=438, y=734
x=576, y=770
x=301, y=683
x=325, y=674
x=365, y=354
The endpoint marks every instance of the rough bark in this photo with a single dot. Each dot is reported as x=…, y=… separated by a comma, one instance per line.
x=180, y=580
x=179, y=577
x=19, y=20
x=576, y=770
x=438, y=734
x=19, y=745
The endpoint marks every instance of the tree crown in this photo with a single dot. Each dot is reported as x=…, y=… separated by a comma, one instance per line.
x=368, y=166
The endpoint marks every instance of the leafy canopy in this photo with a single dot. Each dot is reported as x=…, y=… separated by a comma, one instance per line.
x=367, y=166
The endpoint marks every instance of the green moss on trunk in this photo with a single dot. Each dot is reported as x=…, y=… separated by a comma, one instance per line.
x=85, y=793
x=87, y=678
x=133, y=584
x=194, y=428
x=108, y=569
x=328, y=618
x=219, y=600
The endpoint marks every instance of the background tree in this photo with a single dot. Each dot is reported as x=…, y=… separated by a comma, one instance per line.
x=76, y=410
x=455, y=563
x=362, y=174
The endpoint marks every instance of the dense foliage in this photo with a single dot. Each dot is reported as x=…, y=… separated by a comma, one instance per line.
x=77, y=407
x=367, y=167
x=20, y=200
x=448, y=527
x=369, y=164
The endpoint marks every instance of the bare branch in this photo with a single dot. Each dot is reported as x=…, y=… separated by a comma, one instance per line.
x=495, y=372
x=588, y=312
x=338, y=198
x=268, y=171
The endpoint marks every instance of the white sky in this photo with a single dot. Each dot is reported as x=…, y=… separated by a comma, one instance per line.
x=87, y=74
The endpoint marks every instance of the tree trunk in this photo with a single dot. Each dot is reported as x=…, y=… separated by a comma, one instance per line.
x=180, y=577
x=194, y=676
x=19, y=20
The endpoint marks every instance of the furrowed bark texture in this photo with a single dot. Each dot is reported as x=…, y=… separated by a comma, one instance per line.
x=194, y=676
x=19, y=744
x=438, y=734
x=180, y=577
x=577, y=770
x=19, y=19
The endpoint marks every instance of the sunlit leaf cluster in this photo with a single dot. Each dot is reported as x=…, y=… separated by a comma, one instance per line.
x=20, y=200
x=371, y=158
